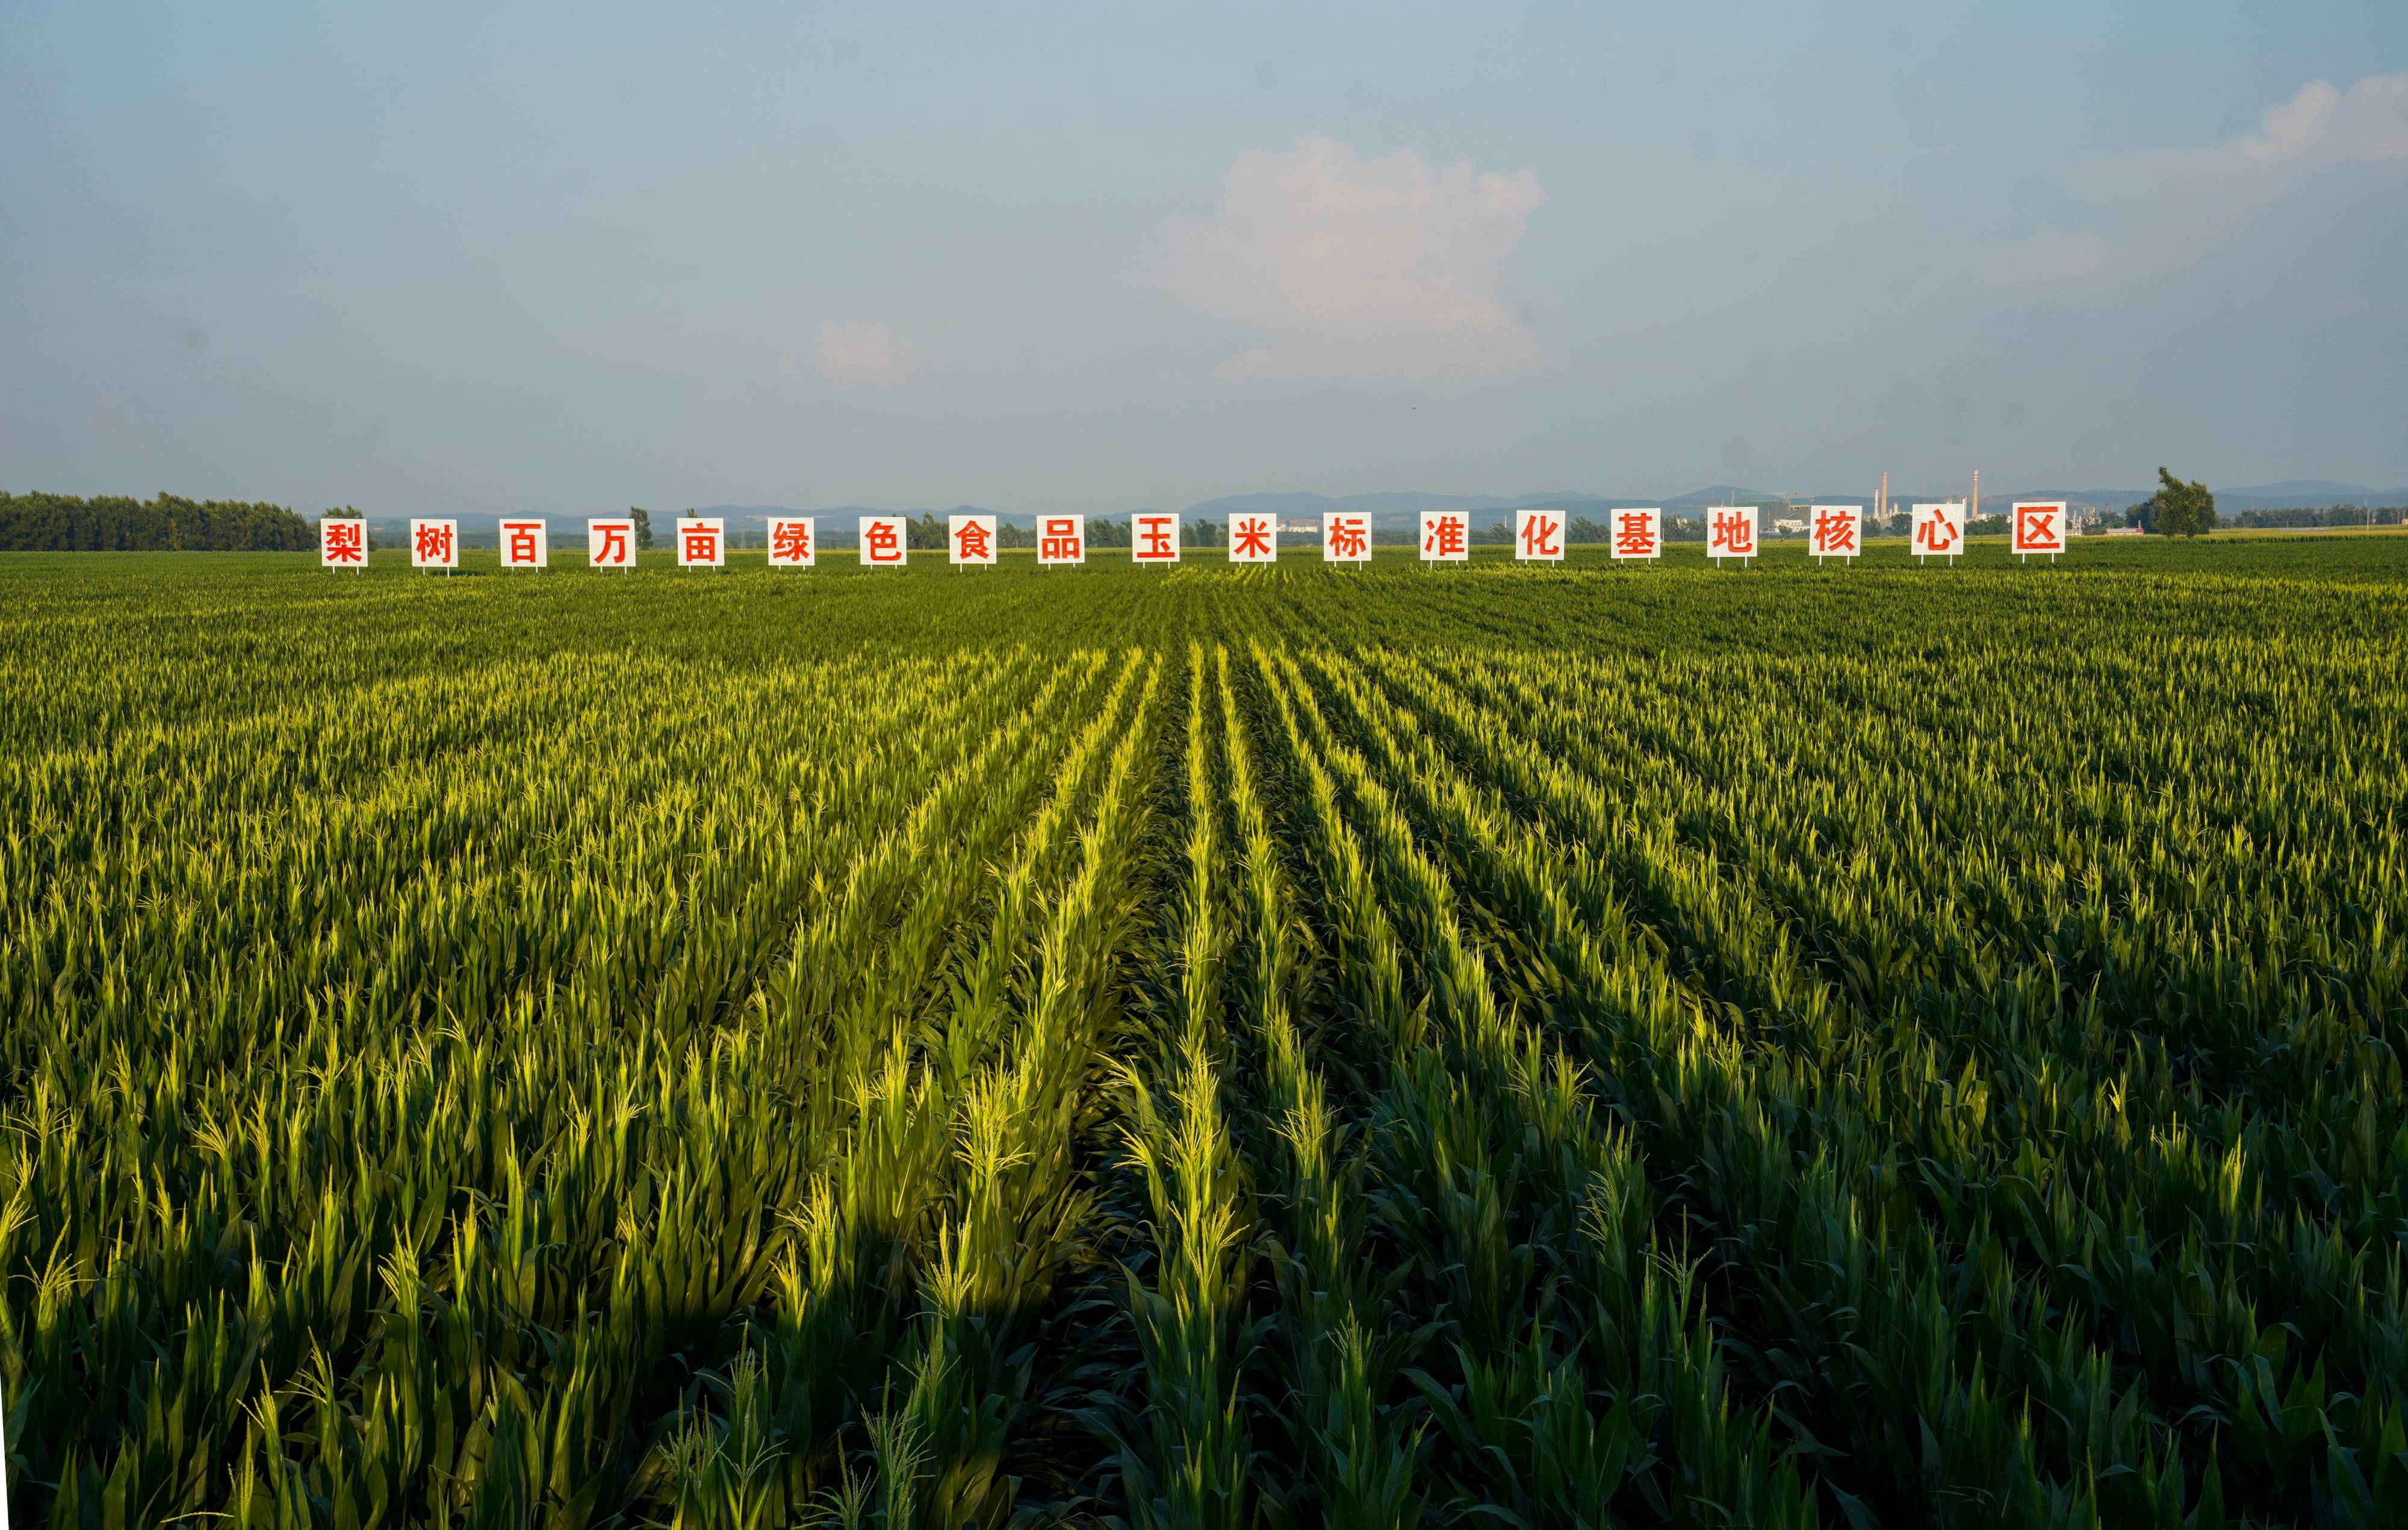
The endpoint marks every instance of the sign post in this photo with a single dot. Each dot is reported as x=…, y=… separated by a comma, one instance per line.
x=435, y=544
x=885, y=541
x=1730, y=532
x=1346, y=537
x=1538, y=535
x=1839, y=532
x=343, y=544
x=1638, y=534
x=1061, y=539
x=794, y=541
x=1154, y=537
x=1446, y=536
x=1939, y=531
x=2036, y=526
x=1254, y=539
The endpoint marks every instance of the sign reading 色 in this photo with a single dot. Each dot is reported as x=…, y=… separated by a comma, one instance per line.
x=2037, y=527
x=1346, y=537
x=971, y=537
x=1638, y=534
x=794, y=541
x=1730, y=532
x=1538, y=535
x=435, y=544
x=1939, y=531
x=611, y=543
x=1839, y=531
x=884, y=541
x=1446, y=536
x=1254, y=539
x=1154, y=537
x=525, y=544
x=702, y=543
x=342, y=545
x=1061, y=539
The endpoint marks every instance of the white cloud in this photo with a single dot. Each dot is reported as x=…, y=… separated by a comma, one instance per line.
x=2368, y=122
x=1356, y=268
x=863, y=355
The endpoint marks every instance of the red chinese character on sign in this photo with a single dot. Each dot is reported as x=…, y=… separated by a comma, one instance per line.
x=614, y=545
x=970, y=542
x=433, y=542
x=790, y=541
x=1348, y=538
x=1835, y=533
x=520, y=547
x=1157, y=539
x=1061, y=541
x=1634, y=534
x=2036, y=528
x=1444, y=536
x=346, y=541
x=881, y=542
x=1249, y=538
x=1935, y=534
x=1540, y=536
x=701, y=542
x=1731, y=533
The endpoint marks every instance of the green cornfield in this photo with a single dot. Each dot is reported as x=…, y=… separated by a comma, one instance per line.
x=1498, y=1047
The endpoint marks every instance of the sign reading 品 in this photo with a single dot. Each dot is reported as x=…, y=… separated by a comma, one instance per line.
x=1061, y=539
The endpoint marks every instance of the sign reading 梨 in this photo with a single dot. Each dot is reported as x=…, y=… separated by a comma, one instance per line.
x=343, y=544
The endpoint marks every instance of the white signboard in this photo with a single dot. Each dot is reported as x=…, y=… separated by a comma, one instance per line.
x=702, y=543
x=1254, y=539
x=434, y=544
x=971, y=537
x=1939, y=531
x=1839, y=531
x=885, y=541
x=1730, y=532
x=1061, y=539
x=525, y=544
x=342, y=545
x=611, y=543
x=794, y=541
x=2037, y=526
x=1637, y=533
x=1539, y=535
x=1154, y=537
x=1446, y=536
x=1346, y=537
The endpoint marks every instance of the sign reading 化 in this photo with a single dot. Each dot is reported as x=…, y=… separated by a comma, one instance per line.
x=435, y=544
x=794, y=541
x=1538, y=535
x=971, y=537
x=1254, y=539
x=1446, y=536
x=1638, y=534
x=1939, y=531
x=1839, y=531
x=1061, y=539
x=1730, y=532
x=611, y=543
x=1346, y=537
x=342, y=545
x=525, y=544
x=2037, y=527
x=884, y=541
x=702, y=543
x=1154, y=537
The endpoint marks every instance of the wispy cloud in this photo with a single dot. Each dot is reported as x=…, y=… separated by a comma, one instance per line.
x=863, y=355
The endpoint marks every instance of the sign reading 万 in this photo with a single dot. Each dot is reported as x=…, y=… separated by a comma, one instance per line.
x=1254, y=539
x=971, y=537
x=1730, y=532
x=342, y=545
x=1446, y=536
x=1061, y=539
x=702, y=543
x=794, y=541
x=611, y=543
x=525, y=544
x=2037, y=527
x=885, y=542
x=1637, y=533
x=1539, y=535
x=1839, y=531
x=1154, y=537
x=1346, y=537
x=1939, y=531
x=435, y=544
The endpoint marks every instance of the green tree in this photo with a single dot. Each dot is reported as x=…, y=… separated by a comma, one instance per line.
x=2177, y=508
x=643, y=519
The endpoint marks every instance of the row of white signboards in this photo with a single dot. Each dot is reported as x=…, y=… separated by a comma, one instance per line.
x=1836, y=531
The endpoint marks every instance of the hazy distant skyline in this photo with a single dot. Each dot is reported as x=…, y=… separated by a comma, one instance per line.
x=567, y=259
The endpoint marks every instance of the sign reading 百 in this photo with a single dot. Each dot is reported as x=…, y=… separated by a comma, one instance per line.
x=525, y=544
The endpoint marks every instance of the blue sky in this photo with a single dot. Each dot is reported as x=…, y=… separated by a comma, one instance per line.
x=444, y=258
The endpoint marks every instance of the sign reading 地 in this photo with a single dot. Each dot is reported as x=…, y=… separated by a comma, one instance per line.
x=1730, y=532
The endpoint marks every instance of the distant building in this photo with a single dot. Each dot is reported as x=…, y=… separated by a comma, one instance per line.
x=1785, y=526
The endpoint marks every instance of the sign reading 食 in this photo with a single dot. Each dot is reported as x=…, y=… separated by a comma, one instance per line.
x=1637, y=533
x=1839, y=531
x=971, y=537
x=611, y=543
x=1446, y=536
x=702, y=543
x=794, y=541
x=1539, y=535
x=525, y=544
x=435, y=544
x=1730, y=532
x=1346, y=537
x=1254, y=537
x=1154, y=537
x=1938, y=531
x=343, y=544
x=1061, y=539
x=885, y=541
x=2036, y=526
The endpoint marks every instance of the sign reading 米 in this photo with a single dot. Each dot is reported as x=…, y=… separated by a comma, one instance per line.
x=1154, y=537
x=1446, y=536
x=1061, y=539
x=1939, y=531
x=1539, y=535
x=702, y=543
x=884, y=541
x=1637, y=533
x=525, y=544
x=2037, y=527
x=971, y=537
x=342, y=545
x=794, y=541
x=1346, y=537
x=1254, y=539
x=435, y=544
x=611, y=544
x=1730, y=532
x=1839, y=531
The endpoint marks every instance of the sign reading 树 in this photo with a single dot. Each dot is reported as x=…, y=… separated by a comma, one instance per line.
x=435, y=544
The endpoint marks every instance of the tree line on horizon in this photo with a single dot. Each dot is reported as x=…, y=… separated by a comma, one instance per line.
x=52, y=523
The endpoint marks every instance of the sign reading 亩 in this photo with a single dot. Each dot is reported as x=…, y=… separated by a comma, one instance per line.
x=1446, y=536
x=1839, y=531
x=1730, y=532
x=1254, y=539
x=525, y=544
x=702, y=543
x=884, y=541
x=342, y=545
x=1538, y=535
x=1938, y=531
x=435, y=544
x=971, y=537
x=1346, y=537
x=611, y=543
x=1154, y=537
x=1638, y=534
x=2037, y=527
x=1061, y=539
x=794, y=541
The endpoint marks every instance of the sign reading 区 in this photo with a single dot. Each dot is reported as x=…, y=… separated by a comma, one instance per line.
x=702, y=543
x=611, y=543
x=342, y=545
x=1839, y=531
x=1939, y=531
x=1539, y=535
x=794, y=541
x=1061, y=539
x=1346, y=537
x=1446, y=536
x=2037, y=527
x=525, y=544
x=971, y=537
x=435, y=544
x=1154, y=537
x=1730, y=532
x=1254, y=539
x=885, y=541
x=1637, y=533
